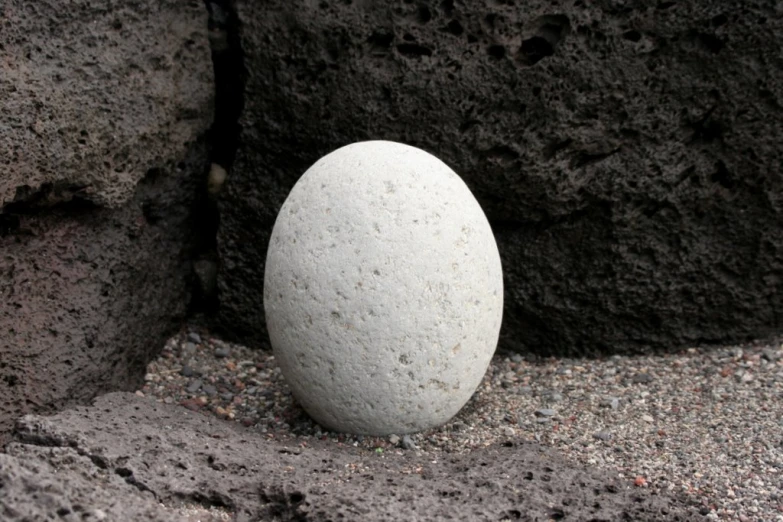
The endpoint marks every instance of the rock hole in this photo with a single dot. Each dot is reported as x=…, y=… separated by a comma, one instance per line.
x=454, y=27
x=380, y=43
x=411, y=50
x=467, y=125
x=633, y=36
x=719, y=20
x=711, y=42
x=722, y=176
x=535, y=49
x=296, y=497
x=550, y=31
x=447, y=6
x=9, y=223
x=424, y=14
x=496, y=51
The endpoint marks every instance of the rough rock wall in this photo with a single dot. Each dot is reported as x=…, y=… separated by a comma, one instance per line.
x=627, y=154
x=105, y=105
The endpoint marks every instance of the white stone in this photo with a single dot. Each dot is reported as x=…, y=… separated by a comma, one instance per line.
x=383, y=290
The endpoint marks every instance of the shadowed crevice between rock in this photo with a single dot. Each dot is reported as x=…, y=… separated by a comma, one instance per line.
x=229, y=72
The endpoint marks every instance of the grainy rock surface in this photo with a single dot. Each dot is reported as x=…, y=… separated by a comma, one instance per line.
x=706, y=422
x=89, y=295
x=627, y=155
x=97, y=93
x=372, y=336
x=104, y=106
x=176, y=456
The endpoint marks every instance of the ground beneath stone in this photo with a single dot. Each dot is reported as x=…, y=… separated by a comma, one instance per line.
x=132, y=458
x=706, y=422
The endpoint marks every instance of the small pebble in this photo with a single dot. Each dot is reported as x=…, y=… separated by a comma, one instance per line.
x=642, y=378
x=186, y=371
x=602, y=435
x=222, y=352
x=458, y=426
x=545, y=412
x=554, y=396
x=647, y=418
x=407, y=442
x=193, y=337
x=394, y=439
x=508, y=431
x=189, y=350
x=611, y=402
x=194, y=386
x=210, y=390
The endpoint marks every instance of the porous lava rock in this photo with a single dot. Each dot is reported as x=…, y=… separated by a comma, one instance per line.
x=96, y=94
x=383, y=290
x=132, y=450
x=105, y=105
x=627, y=154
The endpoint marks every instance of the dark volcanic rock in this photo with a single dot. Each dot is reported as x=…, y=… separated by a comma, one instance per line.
x=177, y=456
x=89, y=295
x=628, y=156
x=97, y=93
x=104, y=109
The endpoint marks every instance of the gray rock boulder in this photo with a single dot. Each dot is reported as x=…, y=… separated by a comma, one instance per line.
x=627, y=155
x=132, y=450
x=105, y=105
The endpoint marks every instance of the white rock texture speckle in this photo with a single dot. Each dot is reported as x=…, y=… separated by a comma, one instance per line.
x=383, y=290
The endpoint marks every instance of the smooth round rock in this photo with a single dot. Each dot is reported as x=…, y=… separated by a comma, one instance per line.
x=383, y=290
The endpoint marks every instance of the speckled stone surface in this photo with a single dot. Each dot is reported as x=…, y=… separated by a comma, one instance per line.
x=383, y=290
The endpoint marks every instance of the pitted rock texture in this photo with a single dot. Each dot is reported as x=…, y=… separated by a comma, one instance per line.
x=627, y=155
x=383, y=290
x=95, y=94
x=178, y=456
x=33, y=489
x=105, y=105
x=88, y=296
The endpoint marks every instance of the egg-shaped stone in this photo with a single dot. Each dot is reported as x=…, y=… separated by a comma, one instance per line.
x=383, y=290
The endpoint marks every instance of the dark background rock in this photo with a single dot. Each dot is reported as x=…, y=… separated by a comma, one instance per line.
x=105, y=108
x=627, y=154
x=181, y=457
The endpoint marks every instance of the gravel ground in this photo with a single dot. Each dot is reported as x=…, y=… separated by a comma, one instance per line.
x=707, y=421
